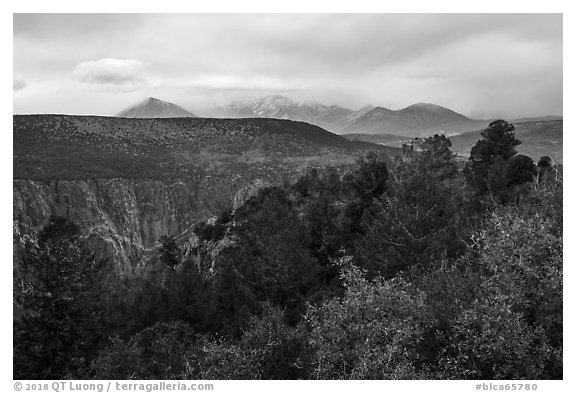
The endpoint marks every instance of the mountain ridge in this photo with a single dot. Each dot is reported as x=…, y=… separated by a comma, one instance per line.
x=420, y=119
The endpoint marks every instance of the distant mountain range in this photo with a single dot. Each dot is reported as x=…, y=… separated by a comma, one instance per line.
x=331, y=117
x=154, y=108
x=415, y=120
x=418, y=120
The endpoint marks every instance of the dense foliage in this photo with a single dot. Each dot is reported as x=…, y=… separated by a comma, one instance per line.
x=56, y=299
x=409, y=269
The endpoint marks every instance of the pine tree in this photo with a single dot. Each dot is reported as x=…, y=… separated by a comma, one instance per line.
x=496, y=147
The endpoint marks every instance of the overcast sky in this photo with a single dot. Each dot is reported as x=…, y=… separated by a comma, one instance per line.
x=482, y=65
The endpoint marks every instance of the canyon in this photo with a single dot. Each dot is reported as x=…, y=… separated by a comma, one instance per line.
x=128, y=182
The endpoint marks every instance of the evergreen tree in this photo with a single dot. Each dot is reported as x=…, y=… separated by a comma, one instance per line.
x=497, y=146
x=272, y=251
x=420, y=219
x=58, y=296
x=520, y=170
x=368, y=181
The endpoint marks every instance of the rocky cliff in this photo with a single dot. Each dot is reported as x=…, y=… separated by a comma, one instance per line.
x=121, y=219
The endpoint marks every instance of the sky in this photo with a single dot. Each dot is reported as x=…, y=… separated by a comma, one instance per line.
x=481, y=65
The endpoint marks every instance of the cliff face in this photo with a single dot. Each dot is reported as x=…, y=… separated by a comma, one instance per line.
x=121, y=219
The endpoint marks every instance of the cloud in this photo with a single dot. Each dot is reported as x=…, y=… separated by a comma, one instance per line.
x=18, y=84
x=472, y=63
x=121, y=73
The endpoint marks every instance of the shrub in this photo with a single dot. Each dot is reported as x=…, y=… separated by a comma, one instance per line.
x=162, y=351
x=371, y=333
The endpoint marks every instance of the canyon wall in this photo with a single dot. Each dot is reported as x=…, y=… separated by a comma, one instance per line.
x=121, y=219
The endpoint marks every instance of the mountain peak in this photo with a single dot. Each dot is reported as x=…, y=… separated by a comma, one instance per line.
x=426, y=106
x=276, y=99
x=380, y=109
x=155, y=108
x=153, y=99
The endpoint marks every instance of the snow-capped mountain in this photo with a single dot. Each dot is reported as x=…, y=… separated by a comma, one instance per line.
x=280, y=107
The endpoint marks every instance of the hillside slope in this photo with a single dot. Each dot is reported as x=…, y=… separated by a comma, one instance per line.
x=72, y=147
